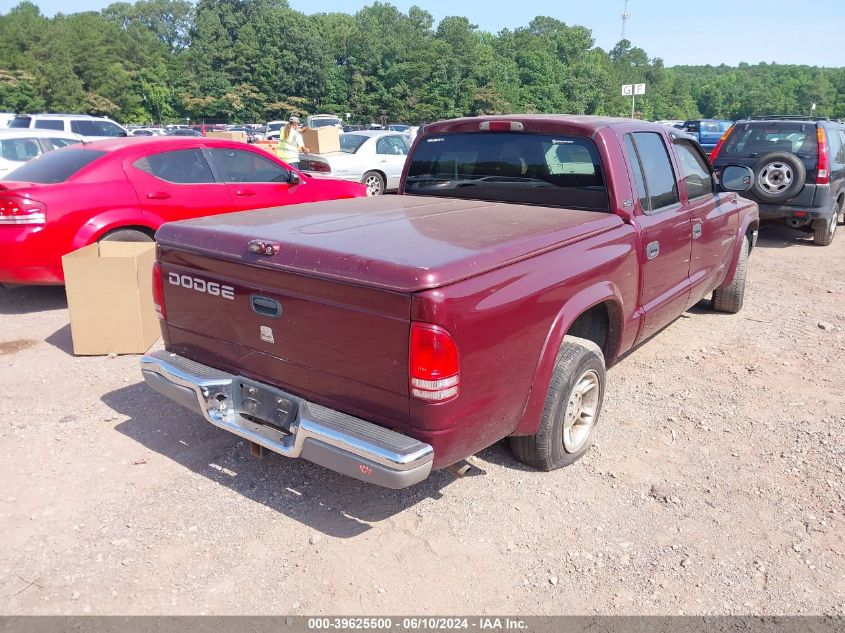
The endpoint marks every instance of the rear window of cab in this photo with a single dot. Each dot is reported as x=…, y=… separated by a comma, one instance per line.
x=524, y=168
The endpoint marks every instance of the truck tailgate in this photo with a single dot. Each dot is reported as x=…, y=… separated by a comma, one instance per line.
x=341, y=345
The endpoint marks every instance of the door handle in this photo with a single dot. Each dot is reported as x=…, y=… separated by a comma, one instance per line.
x=696, y=231
x=245, y=192
x=652, y=250
x=158, y=195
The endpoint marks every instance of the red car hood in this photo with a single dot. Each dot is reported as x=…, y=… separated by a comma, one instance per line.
x=402, y=243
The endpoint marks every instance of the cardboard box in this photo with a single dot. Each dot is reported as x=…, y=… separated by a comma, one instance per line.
x=229, y=136
x=321, y=140
x=110, y=297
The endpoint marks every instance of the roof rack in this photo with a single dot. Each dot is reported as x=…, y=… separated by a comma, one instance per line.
x=788, y=117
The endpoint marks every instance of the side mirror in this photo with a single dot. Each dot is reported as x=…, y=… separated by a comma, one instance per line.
x=294, y=178
x=736, y=178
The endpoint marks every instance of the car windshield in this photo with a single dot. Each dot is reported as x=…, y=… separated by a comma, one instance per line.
x=758, y=138
x=350, y=143
x=272, y=127
x=55, y=166
x=559, y=171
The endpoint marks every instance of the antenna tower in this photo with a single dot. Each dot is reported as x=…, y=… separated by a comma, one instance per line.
x=625, y=16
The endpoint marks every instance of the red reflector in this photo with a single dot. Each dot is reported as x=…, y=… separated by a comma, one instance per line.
x=15, y=209
x=158, y=291
x=799, y=214
x=434, y=366
x=500, y=126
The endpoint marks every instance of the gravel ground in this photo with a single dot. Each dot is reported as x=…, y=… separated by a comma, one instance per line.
x=715, y=486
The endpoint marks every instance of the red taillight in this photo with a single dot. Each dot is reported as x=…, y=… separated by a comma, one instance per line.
x=434, y=366
x=500, y=126
x=320, y=166
x=721, y=142
x=16, y=209
x=823, y=174
x=158, y=291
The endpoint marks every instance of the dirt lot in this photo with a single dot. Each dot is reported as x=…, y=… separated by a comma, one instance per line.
x=716, y=485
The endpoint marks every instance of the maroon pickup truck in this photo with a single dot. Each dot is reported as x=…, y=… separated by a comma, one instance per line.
x=386, y=337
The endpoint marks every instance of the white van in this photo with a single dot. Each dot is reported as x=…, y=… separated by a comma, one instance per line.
x=91, y=128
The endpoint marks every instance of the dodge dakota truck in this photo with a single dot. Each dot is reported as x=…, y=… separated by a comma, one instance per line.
x=386, y=337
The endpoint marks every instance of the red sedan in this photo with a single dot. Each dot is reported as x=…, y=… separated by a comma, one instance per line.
x=124, y=189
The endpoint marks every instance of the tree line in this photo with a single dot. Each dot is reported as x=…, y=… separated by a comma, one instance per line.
x=255, y=60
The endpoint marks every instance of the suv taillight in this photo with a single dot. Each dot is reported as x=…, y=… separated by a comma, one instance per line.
x=434, y=367
x=17, y=209
x=823, y=174
x=721, y=142
x=158, y=291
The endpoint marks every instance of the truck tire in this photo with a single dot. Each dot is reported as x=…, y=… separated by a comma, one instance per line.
x=374, y=182
x=126, y=235
x=730, y=298
x=571, y=411
x=778, y=176
x=825, y=230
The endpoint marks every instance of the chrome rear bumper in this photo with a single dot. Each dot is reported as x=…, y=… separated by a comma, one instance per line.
x=332, y=439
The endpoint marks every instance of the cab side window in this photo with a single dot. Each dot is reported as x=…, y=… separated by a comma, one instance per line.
x=660, y=189
x=694, y=169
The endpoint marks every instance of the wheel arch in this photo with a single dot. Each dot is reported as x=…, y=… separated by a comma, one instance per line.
x=376, y=171
x=749, y=230
x=98, y=226
x=595, y=313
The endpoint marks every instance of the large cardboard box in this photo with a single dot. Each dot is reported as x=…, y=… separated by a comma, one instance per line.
x=109, y=294
x=229, y=136
x=321, y=140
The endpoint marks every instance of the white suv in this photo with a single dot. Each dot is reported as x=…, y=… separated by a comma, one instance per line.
x=91, y=128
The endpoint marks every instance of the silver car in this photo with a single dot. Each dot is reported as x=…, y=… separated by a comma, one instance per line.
x=372, y=157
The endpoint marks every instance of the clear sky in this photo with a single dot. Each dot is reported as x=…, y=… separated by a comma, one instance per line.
x=680, y=31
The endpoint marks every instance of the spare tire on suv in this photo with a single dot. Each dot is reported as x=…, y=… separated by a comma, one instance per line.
x=778, y=176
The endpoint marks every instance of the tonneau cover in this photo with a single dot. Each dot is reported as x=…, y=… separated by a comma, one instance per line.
x=400, y=243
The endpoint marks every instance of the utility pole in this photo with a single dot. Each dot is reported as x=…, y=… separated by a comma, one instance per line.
x=625, y=16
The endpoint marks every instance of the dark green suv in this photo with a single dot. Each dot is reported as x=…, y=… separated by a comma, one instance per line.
x=799, y=169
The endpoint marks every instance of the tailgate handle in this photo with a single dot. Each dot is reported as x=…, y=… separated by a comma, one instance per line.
x=264, y=306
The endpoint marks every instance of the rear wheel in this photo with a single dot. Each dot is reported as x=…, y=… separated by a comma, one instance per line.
x=730, y=298
x=572, y=408
x=825, y=230
x=374, y=182
x=126, y=235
